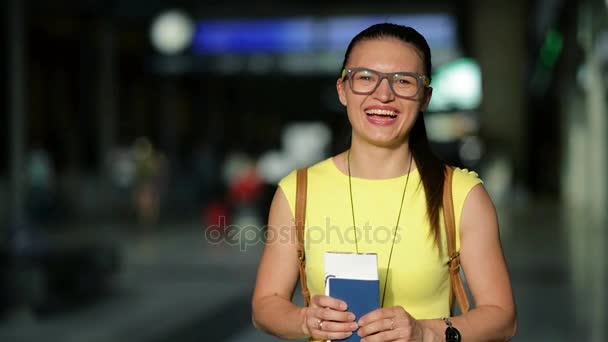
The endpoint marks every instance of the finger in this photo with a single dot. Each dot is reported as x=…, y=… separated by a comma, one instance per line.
x=329, y=302
x=378, y=314
x=375, y=315
x=388, y=335
x=382, y=325
x=330, y=335
x=313, y=323
x=328, y=314
x=338, y=326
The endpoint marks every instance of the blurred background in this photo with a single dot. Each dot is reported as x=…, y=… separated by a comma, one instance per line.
x=143, y=141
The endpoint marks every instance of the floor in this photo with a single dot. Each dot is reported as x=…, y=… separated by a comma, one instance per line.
x=175, y=286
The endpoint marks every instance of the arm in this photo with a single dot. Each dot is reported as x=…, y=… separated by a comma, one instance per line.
x=494, y=315
x=273, y=311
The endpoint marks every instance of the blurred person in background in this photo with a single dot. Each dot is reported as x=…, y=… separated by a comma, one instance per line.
x=387, y=178
x=150, y=171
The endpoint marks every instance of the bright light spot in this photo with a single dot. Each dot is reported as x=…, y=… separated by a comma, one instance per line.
x=456, y=86
x=303, y=144
x=306, y=143
x=274, y=165
x=172, y=32
x=449, y=126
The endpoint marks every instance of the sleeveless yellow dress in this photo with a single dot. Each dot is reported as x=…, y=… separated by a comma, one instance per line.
x=418, y=279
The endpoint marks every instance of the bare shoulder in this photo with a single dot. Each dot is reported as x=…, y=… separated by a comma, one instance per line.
x=479, y=219
x=280, y=214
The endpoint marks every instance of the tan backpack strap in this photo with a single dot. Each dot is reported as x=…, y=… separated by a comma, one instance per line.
x=458, y=290
x=300, y=223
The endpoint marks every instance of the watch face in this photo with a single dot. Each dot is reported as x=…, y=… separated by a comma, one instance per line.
x=452, y=335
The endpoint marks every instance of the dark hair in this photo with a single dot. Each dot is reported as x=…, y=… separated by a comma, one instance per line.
x=430, y=167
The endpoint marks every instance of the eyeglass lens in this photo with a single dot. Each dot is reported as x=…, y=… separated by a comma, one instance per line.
x=366, y=81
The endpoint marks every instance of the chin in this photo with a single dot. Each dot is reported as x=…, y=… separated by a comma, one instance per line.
x=385, y=142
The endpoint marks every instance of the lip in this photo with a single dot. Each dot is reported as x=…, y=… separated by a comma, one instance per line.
x=381, y=121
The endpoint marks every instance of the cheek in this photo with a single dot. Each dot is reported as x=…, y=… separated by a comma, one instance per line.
x=351, y=101
x=415, y=106
x=350, y=114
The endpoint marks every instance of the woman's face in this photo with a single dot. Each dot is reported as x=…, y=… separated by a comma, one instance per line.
x=381, y=118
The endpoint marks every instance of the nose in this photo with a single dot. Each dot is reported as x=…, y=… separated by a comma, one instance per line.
x=383, y=92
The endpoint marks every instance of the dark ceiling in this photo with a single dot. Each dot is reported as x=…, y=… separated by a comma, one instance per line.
x=143, y=9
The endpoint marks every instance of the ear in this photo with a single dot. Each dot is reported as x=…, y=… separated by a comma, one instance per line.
x=424, y=104
x=341, y=91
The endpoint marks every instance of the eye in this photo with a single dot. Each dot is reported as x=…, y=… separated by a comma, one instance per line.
x=403, y=80
x=365, y=75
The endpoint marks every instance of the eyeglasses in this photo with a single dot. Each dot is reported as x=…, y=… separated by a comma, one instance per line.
x=403, y=84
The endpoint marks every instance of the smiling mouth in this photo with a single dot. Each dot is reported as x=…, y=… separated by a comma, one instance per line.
x=381, y=113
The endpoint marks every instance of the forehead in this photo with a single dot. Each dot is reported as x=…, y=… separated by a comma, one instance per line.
x=387, y=55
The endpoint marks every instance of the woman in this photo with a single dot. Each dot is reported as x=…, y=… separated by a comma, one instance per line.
x=389, y=181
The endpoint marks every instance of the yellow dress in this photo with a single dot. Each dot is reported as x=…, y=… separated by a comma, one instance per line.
x=418, y=279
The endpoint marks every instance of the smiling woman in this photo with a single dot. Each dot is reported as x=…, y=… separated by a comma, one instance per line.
x=389, y=177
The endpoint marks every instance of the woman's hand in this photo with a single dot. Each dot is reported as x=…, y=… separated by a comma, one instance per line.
x=327, y=319
x=390, y=324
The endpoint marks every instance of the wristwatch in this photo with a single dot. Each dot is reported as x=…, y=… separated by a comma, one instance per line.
x=451, y=334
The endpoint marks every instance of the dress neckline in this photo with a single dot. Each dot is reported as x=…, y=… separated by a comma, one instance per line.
x=336, y=169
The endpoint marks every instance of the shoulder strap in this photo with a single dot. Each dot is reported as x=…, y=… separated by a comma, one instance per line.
x=458, y=290
x=301, y=185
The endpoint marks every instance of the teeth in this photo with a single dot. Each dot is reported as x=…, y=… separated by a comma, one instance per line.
x=381, y=112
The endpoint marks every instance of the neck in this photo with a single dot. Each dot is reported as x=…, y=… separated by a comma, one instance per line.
x=374, y=162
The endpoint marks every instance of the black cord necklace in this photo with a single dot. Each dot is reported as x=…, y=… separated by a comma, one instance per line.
x=352, y=207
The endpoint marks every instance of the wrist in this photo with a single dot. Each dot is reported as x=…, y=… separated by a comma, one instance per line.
x=430, y=331
x=451, y=333
x=303, y=326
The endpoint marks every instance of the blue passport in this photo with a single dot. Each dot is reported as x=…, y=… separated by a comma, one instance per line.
x=362, y=297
